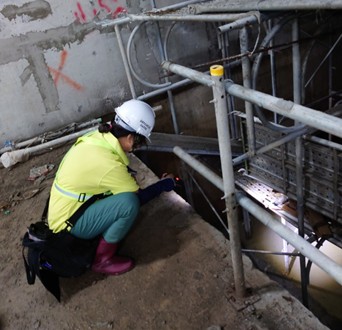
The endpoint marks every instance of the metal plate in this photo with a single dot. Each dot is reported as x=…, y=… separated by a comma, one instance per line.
x=322, y=172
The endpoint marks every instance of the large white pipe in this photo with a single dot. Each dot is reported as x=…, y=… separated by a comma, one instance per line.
x=41, y=138
x=11, y=158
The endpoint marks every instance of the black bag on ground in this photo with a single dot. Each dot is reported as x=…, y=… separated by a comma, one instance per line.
x=49, y=256
x=67, y=255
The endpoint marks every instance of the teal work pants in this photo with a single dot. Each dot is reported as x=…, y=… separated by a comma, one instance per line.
x=111, y=217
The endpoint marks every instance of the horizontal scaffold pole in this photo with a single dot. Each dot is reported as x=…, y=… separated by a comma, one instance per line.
x=299, y=113
x=305, y=115
x=305, y=248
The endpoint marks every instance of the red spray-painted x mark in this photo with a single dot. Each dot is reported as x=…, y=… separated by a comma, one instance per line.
x=58, y=73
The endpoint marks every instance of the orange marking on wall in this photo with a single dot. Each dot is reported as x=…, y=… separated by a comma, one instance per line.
x=64, y=55
x=59, y=75
x=68, y=80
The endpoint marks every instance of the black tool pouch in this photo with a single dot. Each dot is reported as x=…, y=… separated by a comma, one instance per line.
x=49, y=255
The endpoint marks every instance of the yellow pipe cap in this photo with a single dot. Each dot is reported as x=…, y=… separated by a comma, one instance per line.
x=216, y=70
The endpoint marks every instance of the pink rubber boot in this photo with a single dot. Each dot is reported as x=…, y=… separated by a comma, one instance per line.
x=107, y=262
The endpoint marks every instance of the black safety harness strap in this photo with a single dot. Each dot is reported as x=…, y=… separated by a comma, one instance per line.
x=73, y=219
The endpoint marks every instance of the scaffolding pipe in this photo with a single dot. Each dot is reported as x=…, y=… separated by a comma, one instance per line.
x=296, y=70
x=316, y=256
x=209, y=203
x=326, y=56
x=188, y=18
x=296, y=67
x=246, y=75
x=221, y=115
x=176, y=6
x=178, y=84
x=107, y=23
x=230, y=100
x=305, y=248
x=162, y=90
x=272, y=5
x=287, y=138
x=194, y=75
x=330, y=77
x=238, y=24
x=270, y=252
x=255, y=73
x=324, y=142
x=199, y=167
x=125, y=62
x=268, y=147
x=273, y=70
x=310, y=117
x=169, y=92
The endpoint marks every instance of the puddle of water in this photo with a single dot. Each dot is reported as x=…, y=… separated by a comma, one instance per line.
x=323, y=289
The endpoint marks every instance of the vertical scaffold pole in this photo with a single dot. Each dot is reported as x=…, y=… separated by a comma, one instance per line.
x=221, y=113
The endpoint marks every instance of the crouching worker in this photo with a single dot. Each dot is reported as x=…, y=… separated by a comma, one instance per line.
x=97, y=164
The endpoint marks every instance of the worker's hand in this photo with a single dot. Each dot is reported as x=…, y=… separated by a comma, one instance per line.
x=166, y=183
x=167, y=175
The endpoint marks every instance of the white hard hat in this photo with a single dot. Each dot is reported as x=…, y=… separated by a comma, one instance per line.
x=136, y=116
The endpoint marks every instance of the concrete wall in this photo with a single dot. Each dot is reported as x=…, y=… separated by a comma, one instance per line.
x=56, y=67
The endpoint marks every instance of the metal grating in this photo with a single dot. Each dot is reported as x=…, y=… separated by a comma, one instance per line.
x=322, y=172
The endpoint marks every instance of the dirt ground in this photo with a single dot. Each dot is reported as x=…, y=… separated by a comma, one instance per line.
x=183, y=277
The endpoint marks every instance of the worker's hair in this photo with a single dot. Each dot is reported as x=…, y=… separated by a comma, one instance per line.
x=115, y=129
x=118, y=132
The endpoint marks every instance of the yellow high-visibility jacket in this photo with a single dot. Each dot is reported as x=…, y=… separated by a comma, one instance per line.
x=95, y=164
